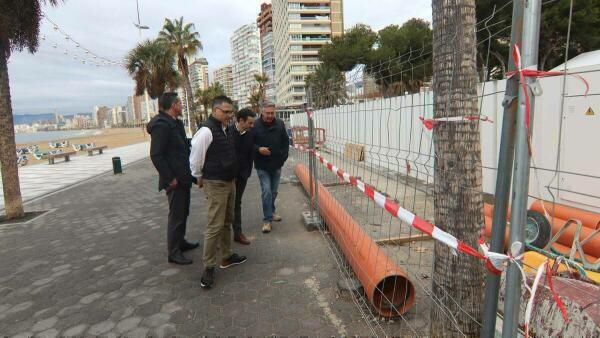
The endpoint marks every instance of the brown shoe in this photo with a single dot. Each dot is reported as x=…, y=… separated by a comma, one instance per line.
x=276, y=217
x=240, y=238
x=266, y=227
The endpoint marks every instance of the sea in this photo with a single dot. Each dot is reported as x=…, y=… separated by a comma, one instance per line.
x=58, y=135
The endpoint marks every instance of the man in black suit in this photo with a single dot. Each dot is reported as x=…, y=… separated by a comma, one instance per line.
x=170, y=154
x=244, y=148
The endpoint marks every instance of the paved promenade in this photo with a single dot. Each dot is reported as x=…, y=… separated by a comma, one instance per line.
x=37, y=180
x=96, y=264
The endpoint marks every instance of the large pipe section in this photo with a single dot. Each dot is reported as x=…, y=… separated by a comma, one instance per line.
x=386, y=285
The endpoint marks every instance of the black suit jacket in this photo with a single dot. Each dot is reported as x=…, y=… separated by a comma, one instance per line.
x=170, y=151
x=244, y=149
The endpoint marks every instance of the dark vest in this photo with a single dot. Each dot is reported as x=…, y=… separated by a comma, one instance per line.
x=220, y=162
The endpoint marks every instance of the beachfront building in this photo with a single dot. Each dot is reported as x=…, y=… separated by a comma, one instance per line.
x=119, y=116
x=102, y=116
x=246, y=62
x=224, y=76
x=199, y=74
x=265, y=26
x=300, y=29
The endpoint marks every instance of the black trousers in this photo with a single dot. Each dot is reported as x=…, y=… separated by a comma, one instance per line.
x=179, y=209
x=240, y=186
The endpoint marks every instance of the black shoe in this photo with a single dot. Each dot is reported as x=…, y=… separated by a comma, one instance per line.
x=208, y=278
x=179, y=258
x=234, y=259
x=187, y=245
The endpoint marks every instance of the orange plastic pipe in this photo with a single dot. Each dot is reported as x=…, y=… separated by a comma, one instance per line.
x=488, y=210
x=488, y=230
x=385, y=284
x=565, y=250
x=589, y=219
x=591, y=248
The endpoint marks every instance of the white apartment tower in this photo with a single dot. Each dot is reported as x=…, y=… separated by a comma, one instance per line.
x=246, y=62
x=199, y=74
x=301, y=28
x=224, y=76
x=265, y=26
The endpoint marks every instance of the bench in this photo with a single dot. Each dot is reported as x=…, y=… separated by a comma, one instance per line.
x=91, y=150
x=65, y=155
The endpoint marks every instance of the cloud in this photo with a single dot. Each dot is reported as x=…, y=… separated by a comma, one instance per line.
x=52, y=80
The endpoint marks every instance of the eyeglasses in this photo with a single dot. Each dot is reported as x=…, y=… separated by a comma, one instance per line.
x=228, y=112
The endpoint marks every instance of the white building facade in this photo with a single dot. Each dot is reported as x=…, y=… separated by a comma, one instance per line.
x=300, y=29
x=246, y=62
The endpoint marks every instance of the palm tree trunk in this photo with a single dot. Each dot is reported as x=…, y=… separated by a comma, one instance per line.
x=190, y=96
x=458, y=280
x=13, y=204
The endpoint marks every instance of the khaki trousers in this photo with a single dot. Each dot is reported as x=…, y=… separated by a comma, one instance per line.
x=221, y=202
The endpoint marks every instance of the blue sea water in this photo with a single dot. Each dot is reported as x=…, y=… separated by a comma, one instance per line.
x=51, y=135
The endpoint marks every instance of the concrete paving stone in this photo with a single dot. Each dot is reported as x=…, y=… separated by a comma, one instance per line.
x=139, y=332
x=76, y=330
x=245, y=319
x=102, y=327
x=45, y=324
x=20, y=307
x=24, y=335
x=45, y=312
x=50, y=333
x=221, y=324
x=171, y=307
x=156, y=319
x=165, y=330
x=69, y=310
x=122, y=313
x=128, y=324
x=16, y=327
x=91, y=298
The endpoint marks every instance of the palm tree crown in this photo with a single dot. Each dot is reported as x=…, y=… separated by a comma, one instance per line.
x=151, y=65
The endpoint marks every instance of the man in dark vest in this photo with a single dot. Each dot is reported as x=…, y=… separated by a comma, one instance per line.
x=214, y=164
x=244, y=147
x=170, y=153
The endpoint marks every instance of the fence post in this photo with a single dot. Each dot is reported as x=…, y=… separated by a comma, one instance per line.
x=529, y=57
x=314, y=190
x=504, y=176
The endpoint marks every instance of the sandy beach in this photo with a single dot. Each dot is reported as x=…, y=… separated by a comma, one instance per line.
x=112, y=138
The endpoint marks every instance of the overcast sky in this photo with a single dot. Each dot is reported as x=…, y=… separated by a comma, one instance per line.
x=51, y=80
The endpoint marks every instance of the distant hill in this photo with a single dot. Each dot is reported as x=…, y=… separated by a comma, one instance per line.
x=33, y=118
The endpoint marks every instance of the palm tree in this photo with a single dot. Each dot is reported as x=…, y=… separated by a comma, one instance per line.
x=262, y=80
x=152, y=67
x=457, y=279
x=256, y=98
x=327, y=86
x=184, y=42
x=205, y=98
x=19, y=29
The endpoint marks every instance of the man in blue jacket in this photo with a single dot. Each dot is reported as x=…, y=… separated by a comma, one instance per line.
x=169, y=152
x=271, y=146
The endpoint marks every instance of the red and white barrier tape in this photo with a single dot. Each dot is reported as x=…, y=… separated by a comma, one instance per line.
x=534, y=73
x=494, y=261
x=431, y=123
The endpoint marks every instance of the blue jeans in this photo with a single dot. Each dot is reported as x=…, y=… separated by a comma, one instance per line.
x=269, y=182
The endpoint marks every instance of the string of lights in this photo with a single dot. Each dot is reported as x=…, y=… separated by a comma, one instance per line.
x=83, y=54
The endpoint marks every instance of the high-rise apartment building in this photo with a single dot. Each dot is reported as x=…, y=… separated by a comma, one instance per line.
x=300, y=29
x=265, y=26
x=199, y=74
x=246, y=62
x=224, y=76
